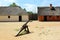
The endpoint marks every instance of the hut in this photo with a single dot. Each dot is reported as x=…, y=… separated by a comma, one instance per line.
x=13, y=14
x=49, y=13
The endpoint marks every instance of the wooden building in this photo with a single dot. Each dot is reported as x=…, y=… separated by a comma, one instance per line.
x=48, y=14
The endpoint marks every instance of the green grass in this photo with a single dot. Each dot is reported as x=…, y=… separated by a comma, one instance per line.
x=22, y=33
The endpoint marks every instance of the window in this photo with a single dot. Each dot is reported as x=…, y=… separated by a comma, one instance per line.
x=8, y=16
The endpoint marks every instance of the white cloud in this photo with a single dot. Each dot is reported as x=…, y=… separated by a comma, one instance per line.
x=30, y=7
x=6, y=2
x=1, y=3
x=47, y=2
x=10, y=0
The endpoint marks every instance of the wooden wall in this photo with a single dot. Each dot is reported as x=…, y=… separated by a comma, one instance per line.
x=41, y=18
x=49, y=18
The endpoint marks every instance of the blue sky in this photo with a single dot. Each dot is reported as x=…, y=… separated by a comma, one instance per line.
x=30, y=5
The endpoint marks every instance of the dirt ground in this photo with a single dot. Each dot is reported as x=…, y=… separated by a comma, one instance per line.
x=39, y=31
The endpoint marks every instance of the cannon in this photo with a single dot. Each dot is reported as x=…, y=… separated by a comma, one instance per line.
x=25, y=28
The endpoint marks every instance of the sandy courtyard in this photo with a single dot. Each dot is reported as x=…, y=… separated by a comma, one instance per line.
x=39, y=31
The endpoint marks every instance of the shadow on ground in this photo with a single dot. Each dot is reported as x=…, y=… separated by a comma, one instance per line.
x=23, y=34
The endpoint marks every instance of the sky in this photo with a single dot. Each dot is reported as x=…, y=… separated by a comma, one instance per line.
x=30, y=5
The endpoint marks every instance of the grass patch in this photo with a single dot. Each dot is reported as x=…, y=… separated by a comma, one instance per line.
x=22, y=32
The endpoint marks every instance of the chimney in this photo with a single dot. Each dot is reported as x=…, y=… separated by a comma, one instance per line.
x=50, y=6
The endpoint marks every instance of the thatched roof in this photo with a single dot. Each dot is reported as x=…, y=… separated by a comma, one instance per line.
x=46, y=11
x=12, y=11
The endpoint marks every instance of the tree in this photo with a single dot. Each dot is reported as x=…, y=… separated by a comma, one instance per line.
x=13, y=5
x=24, y=9
x=30, y=12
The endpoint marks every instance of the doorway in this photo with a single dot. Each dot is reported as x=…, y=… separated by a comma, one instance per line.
x=45, y=18
x=20, y=18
